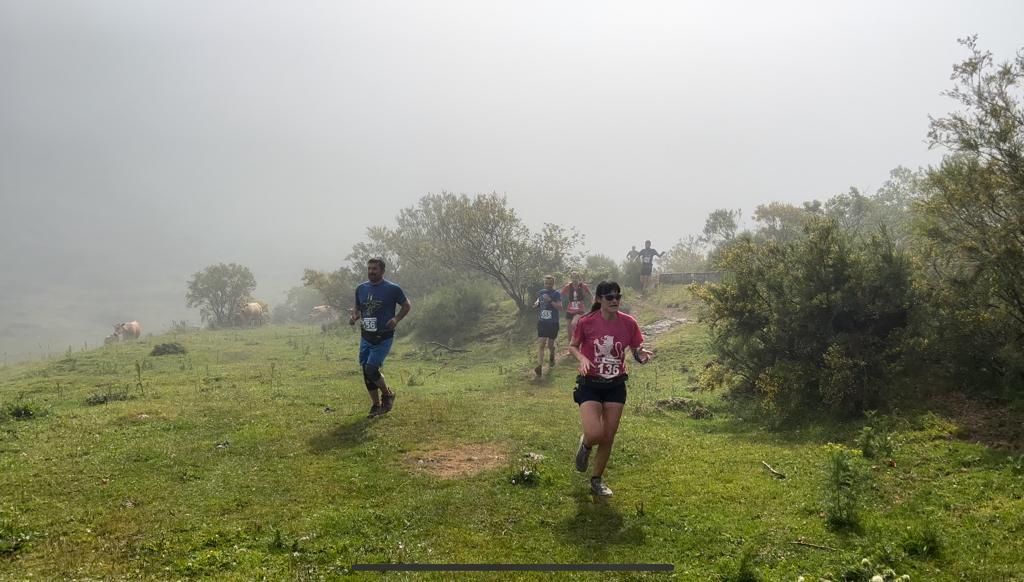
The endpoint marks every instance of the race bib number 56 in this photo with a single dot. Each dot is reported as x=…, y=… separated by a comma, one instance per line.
x=370, y=323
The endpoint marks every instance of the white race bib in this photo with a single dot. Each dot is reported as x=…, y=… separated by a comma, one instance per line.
x=370, y=323
x=574, y=306
x=545, y=314
x=609, y=367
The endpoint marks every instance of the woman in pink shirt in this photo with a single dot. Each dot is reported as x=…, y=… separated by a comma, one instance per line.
x=599, y=344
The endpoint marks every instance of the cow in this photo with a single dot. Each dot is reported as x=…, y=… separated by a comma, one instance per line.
x=128, y=330
x=252, y=313
x=323, y=314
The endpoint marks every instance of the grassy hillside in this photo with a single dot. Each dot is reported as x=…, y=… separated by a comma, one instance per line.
x=250, y=456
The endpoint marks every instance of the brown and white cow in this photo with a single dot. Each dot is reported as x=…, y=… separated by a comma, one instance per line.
x=323, y=314
x=128, y=330
x=252, y=313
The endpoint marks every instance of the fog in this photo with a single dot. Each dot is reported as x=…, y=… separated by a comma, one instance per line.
x=143, y=141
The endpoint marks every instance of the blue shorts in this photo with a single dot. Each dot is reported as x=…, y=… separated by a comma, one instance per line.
x=374, y=353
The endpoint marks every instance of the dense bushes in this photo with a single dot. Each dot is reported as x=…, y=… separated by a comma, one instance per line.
x=818, y=320
x=445, y=314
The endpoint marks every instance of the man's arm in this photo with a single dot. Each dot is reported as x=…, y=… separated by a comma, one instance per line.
x=353, y=314
x=406, y=307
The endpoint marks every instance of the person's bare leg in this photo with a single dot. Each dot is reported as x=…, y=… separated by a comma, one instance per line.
x=611, y=414
x=541, y=342
x=590, y=418
x=551, y=351
x=383, y=385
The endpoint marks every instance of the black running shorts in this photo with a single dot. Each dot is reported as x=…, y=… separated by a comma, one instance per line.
x=548, y=328
x=600, y=390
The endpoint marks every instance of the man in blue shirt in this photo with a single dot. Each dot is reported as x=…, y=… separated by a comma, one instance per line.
x=375, y=310
x=549, y=303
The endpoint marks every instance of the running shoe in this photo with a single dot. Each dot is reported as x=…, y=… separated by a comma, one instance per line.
x=537, y=371
x=582, y=456
x=375, y=410
x=387, y=402
x=597, y=487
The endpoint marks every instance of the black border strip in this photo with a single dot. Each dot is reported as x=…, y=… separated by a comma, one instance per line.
x=513, y=567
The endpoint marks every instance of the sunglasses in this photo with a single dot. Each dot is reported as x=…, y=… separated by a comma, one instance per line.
x=612, y=296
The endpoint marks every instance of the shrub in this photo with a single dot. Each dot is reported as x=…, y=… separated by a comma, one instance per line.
x=840, y=489
x=819, y=320
x=923, y=542
x=97, y=399
x=167, y=349
x=12, y=537
x=23, y=411
x=875, y=438
x=744, y=570
x=527, y=475
x=446, y=314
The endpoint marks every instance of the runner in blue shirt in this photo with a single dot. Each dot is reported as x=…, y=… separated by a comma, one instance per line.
x=548, y=304
x=375, y=311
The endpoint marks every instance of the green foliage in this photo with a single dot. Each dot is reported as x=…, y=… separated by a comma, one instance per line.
x=721, y=226
x=841, y=488
x=23, y=410
x=875, y=438
x=105, y=397
x=687, y=256
x=818, y=320
x=218, y=290
x=630, y=275
x=485, y=236
x=299, y=303
x=782, y=222
x=972, y=249
x=601, y=268
x=446, y=314
x=744, y=570
x=167, y=349
x=923, y=542
x=527, y=475
x=337, y=288
x=867, y=571
x=13, y=537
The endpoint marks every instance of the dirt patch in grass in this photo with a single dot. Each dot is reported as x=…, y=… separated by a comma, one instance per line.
x=457, y=461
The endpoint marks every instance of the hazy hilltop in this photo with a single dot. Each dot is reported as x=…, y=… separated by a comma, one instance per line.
x=142, y=142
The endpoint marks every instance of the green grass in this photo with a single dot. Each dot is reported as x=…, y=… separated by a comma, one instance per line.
x=250, y=456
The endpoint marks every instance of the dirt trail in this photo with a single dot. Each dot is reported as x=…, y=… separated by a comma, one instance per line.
x=669, y=318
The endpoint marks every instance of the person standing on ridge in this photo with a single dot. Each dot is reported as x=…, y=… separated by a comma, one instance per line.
x=646, y=256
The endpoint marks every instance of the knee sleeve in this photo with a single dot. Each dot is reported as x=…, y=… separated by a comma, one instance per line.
x=371, y=373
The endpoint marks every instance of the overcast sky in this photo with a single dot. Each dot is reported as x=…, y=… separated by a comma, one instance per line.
x=158, y=137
